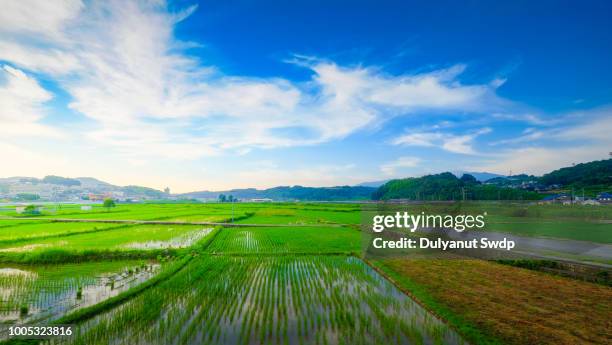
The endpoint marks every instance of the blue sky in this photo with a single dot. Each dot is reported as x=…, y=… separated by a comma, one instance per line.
x=216, y=94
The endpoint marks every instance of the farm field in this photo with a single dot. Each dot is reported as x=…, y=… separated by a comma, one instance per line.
x=272, y=300
x=583, y=230
x=287, y=213
x=290, y=274
x=576, y=222
x=510, y=304
x=20, y=231
x=117, y=238
x=287, y=240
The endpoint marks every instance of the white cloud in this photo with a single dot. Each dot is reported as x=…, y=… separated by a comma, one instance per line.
x=268, y=175
x=541, y=160
x=586, y=139
x=35, y=18
x=395, y=167
x=22, y=104
x=123, y=68
x=447, y=141
x=145, y=98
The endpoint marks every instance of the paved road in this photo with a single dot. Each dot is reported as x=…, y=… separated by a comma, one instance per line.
x=551, y=248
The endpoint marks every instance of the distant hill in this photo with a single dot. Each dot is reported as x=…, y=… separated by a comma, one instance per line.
x=284, y=193
x=447, y=186
x=480, y=176
x=513, y=180
x=585, y=175
x=593, y=177
x=590, y=178
x=58, y=188
x=374, y=184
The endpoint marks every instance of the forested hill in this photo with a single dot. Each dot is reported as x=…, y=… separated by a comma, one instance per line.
x=596, y=174
x=447, y=186
x=594, y=177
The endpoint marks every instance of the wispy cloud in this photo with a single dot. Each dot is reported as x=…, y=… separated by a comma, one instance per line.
x=587, y=137
x=22, y=99
x=141, y=98
x=400, y=165
x=124, y=69
x=447, y=141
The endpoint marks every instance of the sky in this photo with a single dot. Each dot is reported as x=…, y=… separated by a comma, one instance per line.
x=212, y=95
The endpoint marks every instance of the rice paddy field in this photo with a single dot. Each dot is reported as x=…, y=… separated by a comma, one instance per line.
x=277, y=273
x=35, y=293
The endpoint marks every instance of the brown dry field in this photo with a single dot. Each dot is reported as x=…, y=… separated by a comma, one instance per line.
x=515, y=305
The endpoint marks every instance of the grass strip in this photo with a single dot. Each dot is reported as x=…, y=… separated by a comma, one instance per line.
x=58, y=256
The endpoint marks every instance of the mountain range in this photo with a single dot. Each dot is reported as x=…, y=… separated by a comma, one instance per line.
x=593, y=177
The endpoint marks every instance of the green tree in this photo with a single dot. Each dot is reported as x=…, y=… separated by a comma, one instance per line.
x=222, y=198
x=108, y=203
x=31, y=209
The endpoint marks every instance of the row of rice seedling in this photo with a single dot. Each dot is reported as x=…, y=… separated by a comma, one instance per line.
x=276, y=240
x=269, y=300
x=30, y=293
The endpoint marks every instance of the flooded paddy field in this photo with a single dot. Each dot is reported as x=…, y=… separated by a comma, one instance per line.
x=297, y=281
x=269, y=300
x=37, y=293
